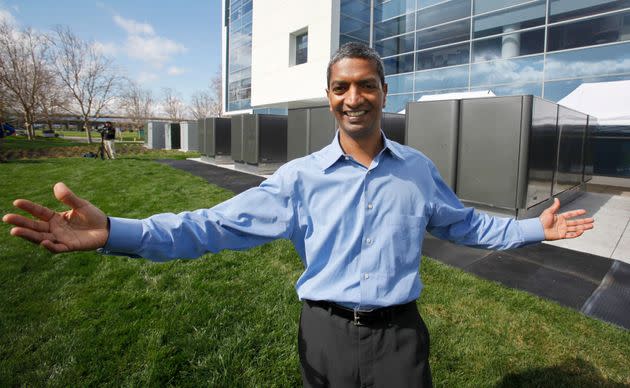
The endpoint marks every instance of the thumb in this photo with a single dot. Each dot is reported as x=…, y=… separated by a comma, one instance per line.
x=553, y=209
x=65, y=195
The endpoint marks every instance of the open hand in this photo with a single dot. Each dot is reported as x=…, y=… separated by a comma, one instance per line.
x=559, y=226
x=84, y=227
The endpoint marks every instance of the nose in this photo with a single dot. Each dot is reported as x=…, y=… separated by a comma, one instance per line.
x=353, y=97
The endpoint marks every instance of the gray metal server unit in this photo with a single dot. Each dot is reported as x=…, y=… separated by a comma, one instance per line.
x=154, y=135
x=432, y=127
x=309, y=130
x=236, y=138
x=572, y=133
x=218, y=139
x=172, y=136
x=201, y=137
x=189, y=136
x=264, y=142
x=393, y=125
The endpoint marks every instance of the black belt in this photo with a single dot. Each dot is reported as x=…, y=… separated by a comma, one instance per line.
x=363, y=317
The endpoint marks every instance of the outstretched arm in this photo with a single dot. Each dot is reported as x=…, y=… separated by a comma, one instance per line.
x=560, y=226
x=84, y=227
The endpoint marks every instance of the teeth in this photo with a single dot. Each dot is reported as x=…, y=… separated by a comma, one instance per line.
x=356, y=113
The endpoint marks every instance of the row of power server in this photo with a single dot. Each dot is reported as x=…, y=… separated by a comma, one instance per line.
x=509, y=155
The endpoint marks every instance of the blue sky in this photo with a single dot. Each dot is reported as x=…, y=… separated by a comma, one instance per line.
x=159, y=43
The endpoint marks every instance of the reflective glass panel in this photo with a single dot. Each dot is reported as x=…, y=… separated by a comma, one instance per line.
x=600, y=30
x=447, y=78
x=596, y=61
x=509, y=45
x=301, y=48
x=359, y=9
x=507, y=71
x=557, y=90
x=428, y=3
x=529, y=15
x=399, y=64
x=418, y=96
x=402, y=83
x=397, y=103
x=393, y=27
x=514, y=90
x=570, y=9
x=386, y=9
x=442, y=57
x=394, y=46
x=446, y=12
x=444, y=34
x=482, y=6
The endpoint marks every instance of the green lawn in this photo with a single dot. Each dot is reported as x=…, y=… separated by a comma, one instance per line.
x=22, y=143
x=230, y=319
x=123, y=136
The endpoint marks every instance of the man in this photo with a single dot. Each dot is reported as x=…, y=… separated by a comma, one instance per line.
x=109, y=137
x=356, y=212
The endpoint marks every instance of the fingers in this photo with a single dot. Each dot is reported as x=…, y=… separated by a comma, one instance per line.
x=555, y=206
x=65, y=195
x=54, y=247
x=573, y=213
x=581, y=221
x=24, y=222
x=36, y=210
x=30, y=235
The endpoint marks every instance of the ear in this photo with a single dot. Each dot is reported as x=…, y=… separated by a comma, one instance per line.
x=384, y=94
x=330, y=108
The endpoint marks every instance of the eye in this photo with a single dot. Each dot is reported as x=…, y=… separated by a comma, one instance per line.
x=337, y=89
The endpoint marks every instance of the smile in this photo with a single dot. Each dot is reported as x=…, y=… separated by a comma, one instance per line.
x=356, y=113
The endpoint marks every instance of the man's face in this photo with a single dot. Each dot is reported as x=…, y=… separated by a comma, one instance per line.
x=356, y=96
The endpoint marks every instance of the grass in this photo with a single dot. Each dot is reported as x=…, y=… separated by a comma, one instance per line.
x=22, y=143
x=122, y=136
x=230, y=319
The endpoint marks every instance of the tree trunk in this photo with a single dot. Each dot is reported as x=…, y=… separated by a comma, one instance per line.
x=86, y=127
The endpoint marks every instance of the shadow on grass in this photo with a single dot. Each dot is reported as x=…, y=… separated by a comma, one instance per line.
x=573, y=373
x=25, y=161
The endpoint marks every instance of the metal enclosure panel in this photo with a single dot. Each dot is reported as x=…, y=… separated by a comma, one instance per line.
x=393, y=125
x=209, y=146
x=222, y=136
x=251, y=124
x=297, y=133
x=487, y=167
x=189, y=136
x=570, y=166
x=201, y=136
x=175, y=135
x=432, y=128
x=591, y=127
x=523, y=159
x=272, y=139
x=236, y=133
x=155, y=135
x=322, y=127
x=542, y=151
x=167, y=136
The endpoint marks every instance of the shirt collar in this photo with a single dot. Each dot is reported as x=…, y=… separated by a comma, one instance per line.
x=333, y=152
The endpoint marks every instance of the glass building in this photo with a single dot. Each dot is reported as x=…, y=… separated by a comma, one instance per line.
x=239, y=60
x=542, y=47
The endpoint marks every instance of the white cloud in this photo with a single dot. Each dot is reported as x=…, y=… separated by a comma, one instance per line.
x=109, y=49
x=174, y=70
x=144, y=77
x=6, y=16
x=133, y=27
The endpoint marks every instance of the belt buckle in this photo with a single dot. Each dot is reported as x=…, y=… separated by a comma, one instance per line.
x=357, y=318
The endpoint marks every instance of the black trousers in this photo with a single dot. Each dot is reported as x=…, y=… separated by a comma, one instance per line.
x=334, y=352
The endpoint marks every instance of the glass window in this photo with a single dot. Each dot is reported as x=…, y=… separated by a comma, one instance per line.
x=394, y=46
x=444, y=34
x=507, y=71
x=387, y=9
x=343, y=39
x=605, y=29
x=447, y=78
x=596, y=61
x=482, y=6
x=301, y=48
x=395, y=26
x=428, y=3
x=569, y=9
x=418, y=96
x=529, y=15
x=397, y=103
x=445, y=56
x=401, y=83
x=399, y=64
x=514, y=90
x=557, y=90
x=355, y=29
x=359, y=9
x=452, y=10
x=509, y=45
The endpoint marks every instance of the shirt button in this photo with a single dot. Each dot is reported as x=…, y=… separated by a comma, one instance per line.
x=366, y=276
x=370, y=206
x=347, y=158
x=368, y=240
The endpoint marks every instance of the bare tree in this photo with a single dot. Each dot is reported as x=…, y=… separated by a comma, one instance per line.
x=216, y=85
x=24, y=71
x=136, y=103
x=201, y=104
x=88, y=75
x=53, y=101
x=172, y=104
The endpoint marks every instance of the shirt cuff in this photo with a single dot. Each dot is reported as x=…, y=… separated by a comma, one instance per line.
x=532, y=230
x=124, y=238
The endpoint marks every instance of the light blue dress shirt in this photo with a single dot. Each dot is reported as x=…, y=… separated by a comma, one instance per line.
x=358, y=230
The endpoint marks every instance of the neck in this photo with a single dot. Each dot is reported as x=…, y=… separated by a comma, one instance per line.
x=362, y=149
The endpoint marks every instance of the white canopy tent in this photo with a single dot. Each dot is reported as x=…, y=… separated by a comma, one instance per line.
x=455, y=96
x=609, y=102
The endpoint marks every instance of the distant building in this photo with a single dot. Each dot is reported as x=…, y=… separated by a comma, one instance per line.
x=278, y=50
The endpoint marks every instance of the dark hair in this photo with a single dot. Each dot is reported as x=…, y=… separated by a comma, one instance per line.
x=109, y=122
x=356, y=50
